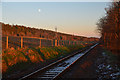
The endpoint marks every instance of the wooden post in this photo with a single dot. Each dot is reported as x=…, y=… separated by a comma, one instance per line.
x=21, y=42
x=7, y=42
x=40, y=43
x=55, y=42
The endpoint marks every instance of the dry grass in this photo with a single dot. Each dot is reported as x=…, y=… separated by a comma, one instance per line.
x=15, y=59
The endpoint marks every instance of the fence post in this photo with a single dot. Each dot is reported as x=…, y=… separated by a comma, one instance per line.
x=7, y=42
x=21, y=42
x=40, y=43
x=55, y=42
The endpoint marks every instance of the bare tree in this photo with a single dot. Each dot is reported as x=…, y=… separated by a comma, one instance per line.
x=109, y=27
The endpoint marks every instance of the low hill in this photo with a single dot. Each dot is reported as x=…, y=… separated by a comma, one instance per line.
x=18, y=30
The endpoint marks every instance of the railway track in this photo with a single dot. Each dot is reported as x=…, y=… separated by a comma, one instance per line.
x=53, y=70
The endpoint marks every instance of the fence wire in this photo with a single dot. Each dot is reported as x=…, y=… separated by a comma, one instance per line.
x=16, y=42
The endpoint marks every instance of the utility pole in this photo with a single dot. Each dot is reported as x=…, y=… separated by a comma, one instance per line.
x=55, y=29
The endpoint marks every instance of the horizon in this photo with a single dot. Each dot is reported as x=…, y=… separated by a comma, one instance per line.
x=69, y=18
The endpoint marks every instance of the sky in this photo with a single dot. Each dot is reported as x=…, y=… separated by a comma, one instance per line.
x=58, y=0
x=78, y=18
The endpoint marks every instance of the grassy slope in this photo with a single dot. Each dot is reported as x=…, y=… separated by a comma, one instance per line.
x=20, y=59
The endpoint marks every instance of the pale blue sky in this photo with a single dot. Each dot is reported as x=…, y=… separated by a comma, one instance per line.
x=77, y=18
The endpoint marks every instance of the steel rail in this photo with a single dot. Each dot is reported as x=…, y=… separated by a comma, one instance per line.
x=53, y=70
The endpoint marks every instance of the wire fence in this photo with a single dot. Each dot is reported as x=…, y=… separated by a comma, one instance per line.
x=12, y=41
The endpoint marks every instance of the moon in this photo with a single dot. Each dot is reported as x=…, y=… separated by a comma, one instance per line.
x=39, y=10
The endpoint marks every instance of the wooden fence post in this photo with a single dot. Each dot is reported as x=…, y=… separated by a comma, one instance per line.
x=7, y=42
x=21, y=42
x=55, y=42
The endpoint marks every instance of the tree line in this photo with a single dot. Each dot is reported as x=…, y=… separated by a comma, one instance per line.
x=109, y=27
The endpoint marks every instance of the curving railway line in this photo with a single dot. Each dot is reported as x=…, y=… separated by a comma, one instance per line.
x=54, y=70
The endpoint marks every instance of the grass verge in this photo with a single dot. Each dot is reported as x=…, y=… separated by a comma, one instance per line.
x=21, y=58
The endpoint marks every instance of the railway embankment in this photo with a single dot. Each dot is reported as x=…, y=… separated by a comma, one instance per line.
x=99, y=64
x=21, y=61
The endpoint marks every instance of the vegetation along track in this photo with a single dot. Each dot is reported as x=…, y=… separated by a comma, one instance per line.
x=54, y=70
